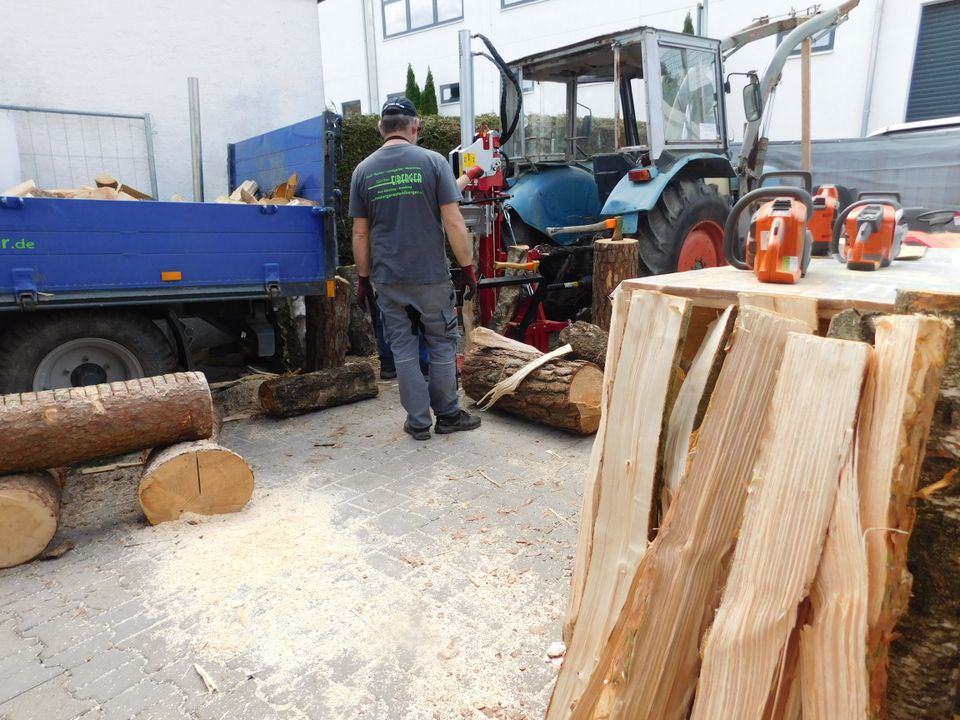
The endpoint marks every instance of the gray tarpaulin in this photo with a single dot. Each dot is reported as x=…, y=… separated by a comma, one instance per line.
x=924, y=167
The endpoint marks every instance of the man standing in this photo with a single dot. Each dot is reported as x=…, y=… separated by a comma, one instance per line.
x=402, y=198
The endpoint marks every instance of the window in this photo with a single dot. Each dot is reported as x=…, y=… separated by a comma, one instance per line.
x=935, y=83
x=403, y=16
x=821, y=43
x=350, y=108
x=526, y=85
x=450, y=94
x=511, y=3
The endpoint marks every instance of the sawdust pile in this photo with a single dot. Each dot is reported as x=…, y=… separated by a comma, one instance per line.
x=279, y=590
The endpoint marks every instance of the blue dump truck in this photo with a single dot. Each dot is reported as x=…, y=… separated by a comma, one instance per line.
x=97, y=291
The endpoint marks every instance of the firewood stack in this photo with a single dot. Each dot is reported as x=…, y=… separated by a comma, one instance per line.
x=744, y=536
x=188, y=470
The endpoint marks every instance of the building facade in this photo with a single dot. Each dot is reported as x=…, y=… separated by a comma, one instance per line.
x=258, y=69
x=892, y=61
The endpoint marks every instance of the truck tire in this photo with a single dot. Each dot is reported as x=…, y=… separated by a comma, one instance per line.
x=44, y=351
x=684, y=231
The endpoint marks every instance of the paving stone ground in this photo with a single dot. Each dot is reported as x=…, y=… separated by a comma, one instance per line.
x=371, y=576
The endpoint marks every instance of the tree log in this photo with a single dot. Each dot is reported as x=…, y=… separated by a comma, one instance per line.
x=613, y=262
x=199, y=477
x=588, y=341
x=328, y=319
x=297, y=394
x=290, y=325
x=61, y=427
x=509, y=296
x=563, y=394
x=29, y=516
x=360, y=333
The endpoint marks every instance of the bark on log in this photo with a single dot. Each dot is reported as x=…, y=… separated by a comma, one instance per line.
x=563, y=394
x=360, y=333
x=61, y=427
x=589, y=342
x=29, y=516
x=290, y=324
x=199, y=477
x=509, y=296
x=925, y=653
x=297, y=394
x=613, y=262
x=327, y=322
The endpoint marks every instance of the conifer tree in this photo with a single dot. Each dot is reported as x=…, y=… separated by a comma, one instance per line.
x=412, y=90
x=428, y=99
x=687, y=25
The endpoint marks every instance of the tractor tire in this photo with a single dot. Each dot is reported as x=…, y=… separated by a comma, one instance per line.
x=684, y=231
x=45, y=351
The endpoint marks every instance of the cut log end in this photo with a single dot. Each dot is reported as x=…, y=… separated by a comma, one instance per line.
x=29, y=516
x=585, y=395
x=202, y=478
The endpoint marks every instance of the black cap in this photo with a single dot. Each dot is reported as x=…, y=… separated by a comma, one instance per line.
x=400, y=106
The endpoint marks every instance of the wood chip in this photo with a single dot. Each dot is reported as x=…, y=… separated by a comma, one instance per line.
x=59, y=551
x=207, y=680
x=941, y=484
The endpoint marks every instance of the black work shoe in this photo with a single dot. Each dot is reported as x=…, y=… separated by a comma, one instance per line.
x=417, y=433
x=388, y=374
x=460, y=420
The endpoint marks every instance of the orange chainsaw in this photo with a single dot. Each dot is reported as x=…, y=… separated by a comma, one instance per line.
x=869, y=232
x=778, y=244
x=826, y=203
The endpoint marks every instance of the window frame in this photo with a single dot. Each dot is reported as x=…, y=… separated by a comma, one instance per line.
x=830, y=33
x=344, y=112
x=406, y=4
x=508, y=4
x=443, y=87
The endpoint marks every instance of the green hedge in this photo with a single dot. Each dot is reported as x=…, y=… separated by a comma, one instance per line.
x=361, y=137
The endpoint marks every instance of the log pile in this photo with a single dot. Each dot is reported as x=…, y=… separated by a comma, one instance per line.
x=744, y=541
x=188, y=471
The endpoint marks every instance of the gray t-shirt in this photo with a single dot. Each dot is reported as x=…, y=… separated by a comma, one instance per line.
x=399, y=189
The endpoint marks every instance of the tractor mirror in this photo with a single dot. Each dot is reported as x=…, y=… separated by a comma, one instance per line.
x=586, y=126
x=752, y=102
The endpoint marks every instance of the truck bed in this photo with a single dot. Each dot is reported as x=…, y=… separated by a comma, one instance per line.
x=76, y=253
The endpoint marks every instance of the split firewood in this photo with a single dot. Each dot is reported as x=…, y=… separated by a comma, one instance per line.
x=588, y=341
x=246, y=192
x=898, y=407
x=563, y=394
x=290, y=395
x=106, y=180
x=807, y=439
x=648, y=666
x=795, y=306
x=509, y=296
x=691, y=404
x=53, y=428
x=650, y=353
x=286, y=190
x=29, y=515
x=591, y=485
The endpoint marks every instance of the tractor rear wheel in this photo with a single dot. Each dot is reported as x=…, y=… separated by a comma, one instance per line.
x=69, y=349
x=684, y=231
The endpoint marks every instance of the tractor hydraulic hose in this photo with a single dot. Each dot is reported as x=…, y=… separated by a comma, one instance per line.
x=506, y=132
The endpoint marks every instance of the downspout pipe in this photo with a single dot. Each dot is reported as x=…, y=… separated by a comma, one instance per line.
x=871, y=69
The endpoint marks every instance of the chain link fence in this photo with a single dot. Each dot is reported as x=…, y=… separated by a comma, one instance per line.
x=62, y=149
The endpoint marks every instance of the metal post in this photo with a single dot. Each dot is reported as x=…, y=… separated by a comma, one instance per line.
x=700, y=18
x=569, y=146
x=370, y=57
x=193, y=91
x=616, y=97
x=806, y=151
x=151, y=160
x=467, y=118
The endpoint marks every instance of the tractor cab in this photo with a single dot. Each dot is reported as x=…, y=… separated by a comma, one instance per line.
x=608, y=122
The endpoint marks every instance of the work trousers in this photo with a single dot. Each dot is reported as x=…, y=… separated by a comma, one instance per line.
x=408, y=311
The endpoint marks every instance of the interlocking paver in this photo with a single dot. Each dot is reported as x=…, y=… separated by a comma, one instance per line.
x=392, y=583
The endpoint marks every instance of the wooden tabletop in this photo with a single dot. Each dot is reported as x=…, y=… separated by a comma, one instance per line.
x=827, y=280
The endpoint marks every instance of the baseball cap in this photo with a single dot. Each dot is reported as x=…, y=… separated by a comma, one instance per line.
x=400, y=106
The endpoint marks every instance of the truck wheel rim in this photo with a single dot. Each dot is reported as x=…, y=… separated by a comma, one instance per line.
x=85, y=361
x=703, y=247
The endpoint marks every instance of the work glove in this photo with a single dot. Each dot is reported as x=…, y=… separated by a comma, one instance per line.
x=468, y=281
x=364, y=292
x=475, y=172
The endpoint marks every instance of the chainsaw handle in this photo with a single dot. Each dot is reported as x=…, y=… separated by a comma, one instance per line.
x=805, y=175
x=733, y=219
x=842, y=218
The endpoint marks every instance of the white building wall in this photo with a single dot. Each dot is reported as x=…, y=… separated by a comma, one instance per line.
x=839, y=76
x=259, y=68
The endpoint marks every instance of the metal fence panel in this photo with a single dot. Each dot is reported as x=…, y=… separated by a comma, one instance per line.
x=69, y=148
